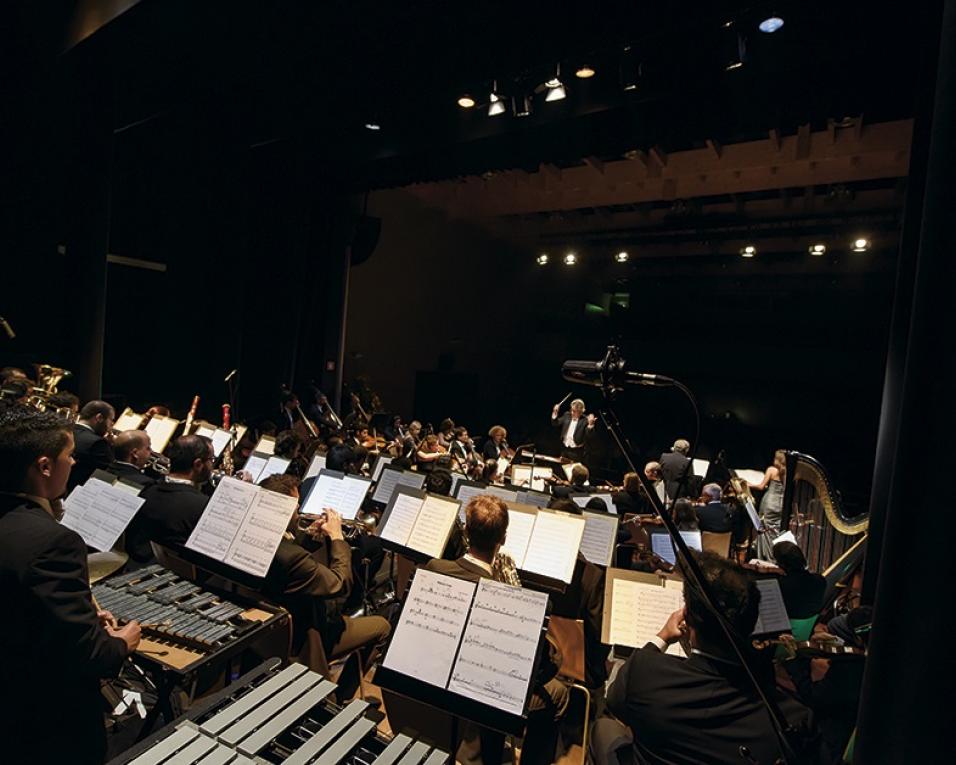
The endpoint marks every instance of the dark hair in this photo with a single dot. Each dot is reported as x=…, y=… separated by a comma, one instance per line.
x=438, y=481
x=12, y=373
x=735, y=596
x=287, y=396
x=789, y=557
x=459, y=432
x=489, y=470
x=486, y=522
x=403, y=463
x=287, y=442
x=339, y=457
x=565, y=505
x=446, y=424
x=92, y=408
x=25, y=436
x=685, y=514
x=632, y=483
x=597, y=503
x=281, y=484
x=64, y=400
x=185, y=450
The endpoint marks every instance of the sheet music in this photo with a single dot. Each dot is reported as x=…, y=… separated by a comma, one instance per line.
x=639, y=610
x=496, y=658
x=429, y=629
x=662, y=545
x=240, y=432
x=393, y=477
x=772, y=616
x=220, y=521
x=700, y=467
x=692, y=539
x=582, y=501
x=402, y=514
x=160, y=430
x=99, y=513
x=317, y=464
x=533, y=498
x=599, y=538
x=274, y=466
x=503, y=463
x=266, y=445
x=520, y=526
x=467, y=491
x=521, y=476
x=455, y=478
x=205, y=430
x=554, y=545
x=435, y=519
x=344, y=495
x=255, y=464
x=128, y=420
x=753, y=477
x=380, y=463
x=220, y=440
x=497, y=491
x=255, y=544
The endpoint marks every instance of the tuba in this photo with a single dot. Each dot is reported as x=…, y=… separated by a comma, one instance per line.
x=48, y=378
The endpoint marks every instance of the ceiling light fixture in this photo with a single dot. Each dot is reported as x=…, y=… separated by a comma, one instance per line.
x=585, y=72
x=372, y=126
x=622, y=256
x=570, y=259
x=861, y=244
x=748, y=251
x=542, y=259
x=556, y=91
x=770, y=24
x=466, y=101
x=496, y=104
x=817, y=249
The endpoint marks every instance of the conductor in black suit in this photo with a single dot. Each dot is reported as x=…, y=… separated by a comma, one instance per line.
x=92, y=449
x=56, y=645
x=131, y=452
x=702, y=708
x=576, y=430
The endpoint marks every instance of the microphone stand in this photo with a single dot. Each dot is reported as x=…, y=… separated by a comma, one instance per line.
x=689, y=565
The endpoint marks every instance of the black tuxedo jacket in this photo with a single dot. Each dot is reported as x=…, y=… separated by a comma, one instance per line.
x=715, y=517
x=168, y=516
x=491, y=450
x=130, y=473
x=694, y=710
x=581, y=433
x=91, y=452
x=54, y=649
x=460, y=569
x=673, y=465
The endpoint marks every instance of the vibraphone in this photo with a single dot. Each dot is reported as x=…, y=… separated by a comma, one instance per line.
x=184, y=626
x=279, y=716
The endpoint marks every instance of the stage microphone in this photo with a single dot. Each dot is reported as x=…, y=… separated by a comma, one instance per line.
x=609, y=372
x=8, y=330
x=230, y=375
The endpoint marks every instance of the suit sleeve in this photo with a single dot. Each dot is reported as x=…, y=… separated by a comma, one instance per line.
x=309, y=577
x=101, y=455
x=558, y=422
x=59, y=580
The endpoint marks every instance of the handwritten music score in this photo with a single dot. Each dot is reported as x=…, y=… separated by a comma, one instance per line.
x=428, y=633
x=344, y=494
x=599, y=538
x=639, y=610
x=99, y=513
x=498, y=648
x=242, y=526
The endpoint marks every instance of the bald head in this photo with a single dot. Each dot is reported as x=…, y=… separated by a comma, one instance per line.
x=132, y=446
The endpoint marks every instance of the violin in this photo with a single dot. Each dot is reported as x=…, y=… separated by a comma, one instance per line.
x=819, y=646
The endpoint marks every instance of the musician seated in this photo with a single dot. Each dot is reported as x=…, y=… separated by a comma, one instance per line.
x=629, y=499
x=685, y=515
x=577, y=485
x=409, y=444
x=93, y=451
x=131, y=452
x=486, y=524
x=702, y=708
x=309, y=569
x=802, y=591
x=172, y=508
x=496, y=446
x=64, y=401
x=713, y=514
x=428, y=453
x=290, y=445
x=490, y=474
x=438, y=481
x=56, y=646
x=461, y=447
x=446, y=432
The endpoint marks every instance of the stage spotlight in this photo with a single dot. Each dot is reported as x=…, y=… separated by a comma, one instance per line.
x=817, y=249
x=556, y=91
x=521, y=106
x=622, y=257
x=735, y=47
x=570, y=259
x=542, y=259
x=585, y=72
x=770, y=25
x=496, y=104
x=372, y=126
x=465, y=101
x=748, y=252
x=861, y=244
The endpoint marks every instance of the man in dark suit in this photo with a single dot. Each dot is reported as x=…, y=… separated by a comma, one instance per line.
x=576, y=430
x=173, y=508
x=677, y=467
x=56, y=645
x=714, y=515
x=92, y=449
x=699, y=709
x=486, y=524
x=131, y=452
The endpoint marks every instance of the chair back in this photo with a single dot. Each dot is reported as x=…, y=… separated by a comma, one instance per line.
x=568, y=636
x=713, y=542
x=802, y=628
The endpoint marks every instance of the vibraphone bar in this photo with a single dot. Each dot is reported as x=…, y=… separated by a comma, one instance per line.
x=280, y=716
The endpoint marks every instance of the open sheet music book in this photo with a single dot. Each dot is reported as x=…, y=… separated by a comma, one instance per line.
x=752, y=477
x=255, y=464
x=220, y=438
x=636, y=606
x=274, y=466
x=581, y=500
x=160, y=431
x=128, y=420
x=599, y=538
x=544, y=542
x=477, y=640
x=242, y=526
x=418, y=521
x=343, y=493
x=100, y=512
x=392, y=477
x=521, y=476
x=772, y=616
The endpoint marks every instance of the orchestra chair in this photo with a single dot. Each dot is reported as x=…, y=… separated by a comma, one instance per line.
x=568, y=636
x=711, y=541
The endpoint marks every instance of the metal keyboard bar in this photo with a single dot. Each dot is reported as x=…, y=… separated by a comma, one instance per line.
x=415, y=754
x=328, y=732
x=200, y=747
x=437, y=757
x=235, y=710
x=345, y=743
x=168, y=746
x=257, y=717
x=394, y=750
x=218, y=756
x=285, y=718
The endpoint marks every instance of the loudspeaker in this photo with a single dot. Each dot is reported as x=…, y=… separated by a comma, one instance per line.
x=365, y=239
